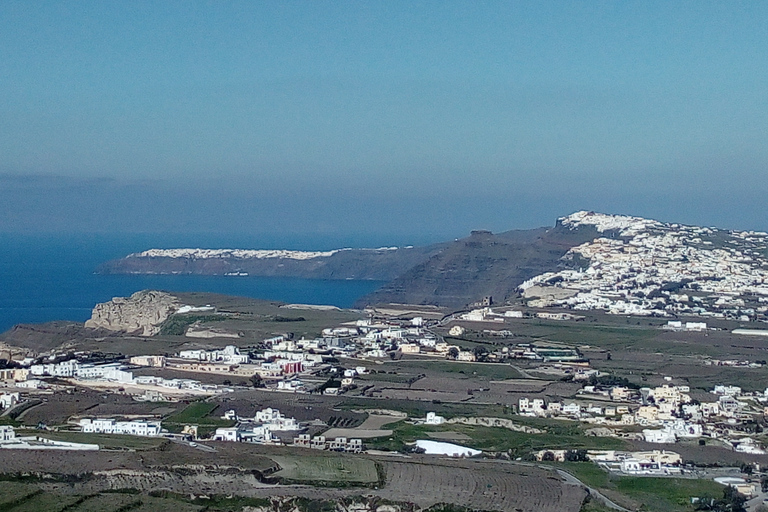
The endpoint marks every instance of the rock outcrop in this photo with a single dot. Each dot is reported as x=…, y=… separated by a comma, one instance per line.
x=141, y=313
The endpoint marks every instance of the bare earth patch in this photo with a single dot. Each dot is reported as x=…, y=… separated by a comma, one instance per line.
x=369, y=429
x=450, y=436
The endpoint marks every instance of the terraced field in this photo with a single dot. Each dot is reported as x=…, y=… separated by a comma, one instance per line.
x=480, y=486
x=344, y=469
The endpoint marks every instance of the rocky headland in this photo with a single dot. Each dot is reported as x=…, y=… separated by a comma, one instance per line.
x=142, y=313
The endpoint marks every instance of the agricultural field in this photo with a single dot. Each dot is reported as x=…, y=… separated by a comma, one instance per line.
x=196, y=413
x=303, y=407
x=259, y=319
x=55, y=409
x=480, y=486
x=371, y=427
x=105, y=441
x=640, y=493
x=15, y=497
x=326, y=469
x=557, y=435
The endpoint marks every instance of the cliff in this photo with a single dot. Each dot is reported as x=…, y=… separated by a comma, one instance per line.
x=141, y=313
x=380, y=264
x=481, y=265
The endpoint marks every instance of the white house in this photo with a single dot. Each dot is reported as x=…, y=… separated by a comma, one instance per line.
x=434, y=419
x=410, y=348
x=111, y=426
x=659, y=436
x=8, y=400
x=7, y=433
x=572, y=409
x=226, y=434
x=466, y=355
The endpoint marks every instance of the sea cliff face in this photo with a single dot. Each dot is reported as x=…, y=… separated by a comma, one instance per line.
x=380, y=264
x=141, y=313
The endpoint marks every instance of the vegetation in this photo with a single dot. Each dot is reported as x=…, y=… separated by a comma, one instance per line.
x=327, y=470
x=177, y=325
x=289, y=319
x=732, y=501
x=196, y=413
x=593, y=505
x=453, y=369
x=108, y=441
x=611, y=380
x=663, y=493
x=497, y=439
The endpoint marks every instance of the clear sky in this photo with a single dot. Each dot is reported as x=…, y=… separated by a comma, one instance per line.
x=386, y=117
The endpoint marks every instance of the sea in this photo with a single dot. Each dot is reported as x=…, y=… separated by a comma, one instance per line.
x=52, y=277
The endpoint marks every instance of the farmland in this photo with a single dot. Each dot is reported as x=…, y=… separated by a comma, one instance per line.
x=480, y=486
x=196, y=413
x=326, y=469
x=497, y=439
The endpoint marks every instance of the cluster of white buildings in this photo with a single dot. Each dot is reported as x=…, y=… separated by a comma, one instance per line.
x=256, y=429
x=667, y=411
x=261, y=428
x=338, y=444
x=651, y=463
x=115, y=373
x=229, y=355
x=73, y=368
x=635, y=272
x=111, y=426
x=10, y=441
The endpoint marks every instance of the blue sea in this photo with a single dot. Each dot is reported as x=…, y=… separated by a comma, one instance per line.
x=51, y=277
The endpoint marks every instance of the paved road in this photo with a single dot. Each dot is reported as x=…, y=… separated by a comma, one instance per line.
x=572, y=479
x=524, y=373
x=197, y=446
x=752, y=504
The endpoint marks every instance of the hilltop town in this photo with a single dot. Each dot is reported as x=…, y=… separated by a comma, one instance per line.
x=649, y=268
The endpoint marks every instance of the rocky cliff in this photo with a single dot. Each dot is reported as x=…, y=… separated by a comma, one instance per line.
x=380, y=264
x=141, y=313
x=481, y=265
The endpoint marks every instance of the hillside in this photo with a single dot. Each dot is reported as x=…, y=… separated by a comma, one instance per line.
x=483, y=264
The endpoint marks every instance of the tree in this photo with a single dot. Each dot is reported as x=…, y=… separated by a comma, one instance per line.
x=747, y=468
x=257, y=381
x=732, y=501
x=576, y=456
x=548, y=457
x=453, y=352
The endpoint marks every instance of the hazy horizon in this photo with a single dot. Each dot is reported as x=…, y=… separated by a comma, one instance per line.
x=389, y=119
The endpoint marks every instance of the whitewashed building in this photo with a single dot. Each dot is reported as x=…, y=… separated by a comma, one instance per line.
x=111, y=426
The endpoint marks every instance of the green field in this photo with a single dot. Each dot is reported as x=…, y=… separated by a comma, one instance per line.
x=105, y=441
x=326, y=469
x=491, y=371
x=672, y=494
x=417, y=409
x=196, y=413
x=497, y=439
x=641, y=493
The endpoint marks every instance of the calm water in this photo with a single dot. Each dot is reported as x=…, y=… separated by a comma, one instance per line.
x=45, y=278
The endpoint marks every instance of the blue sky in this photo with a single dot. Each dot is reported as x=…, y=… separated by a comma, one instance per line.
x=386, y=117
